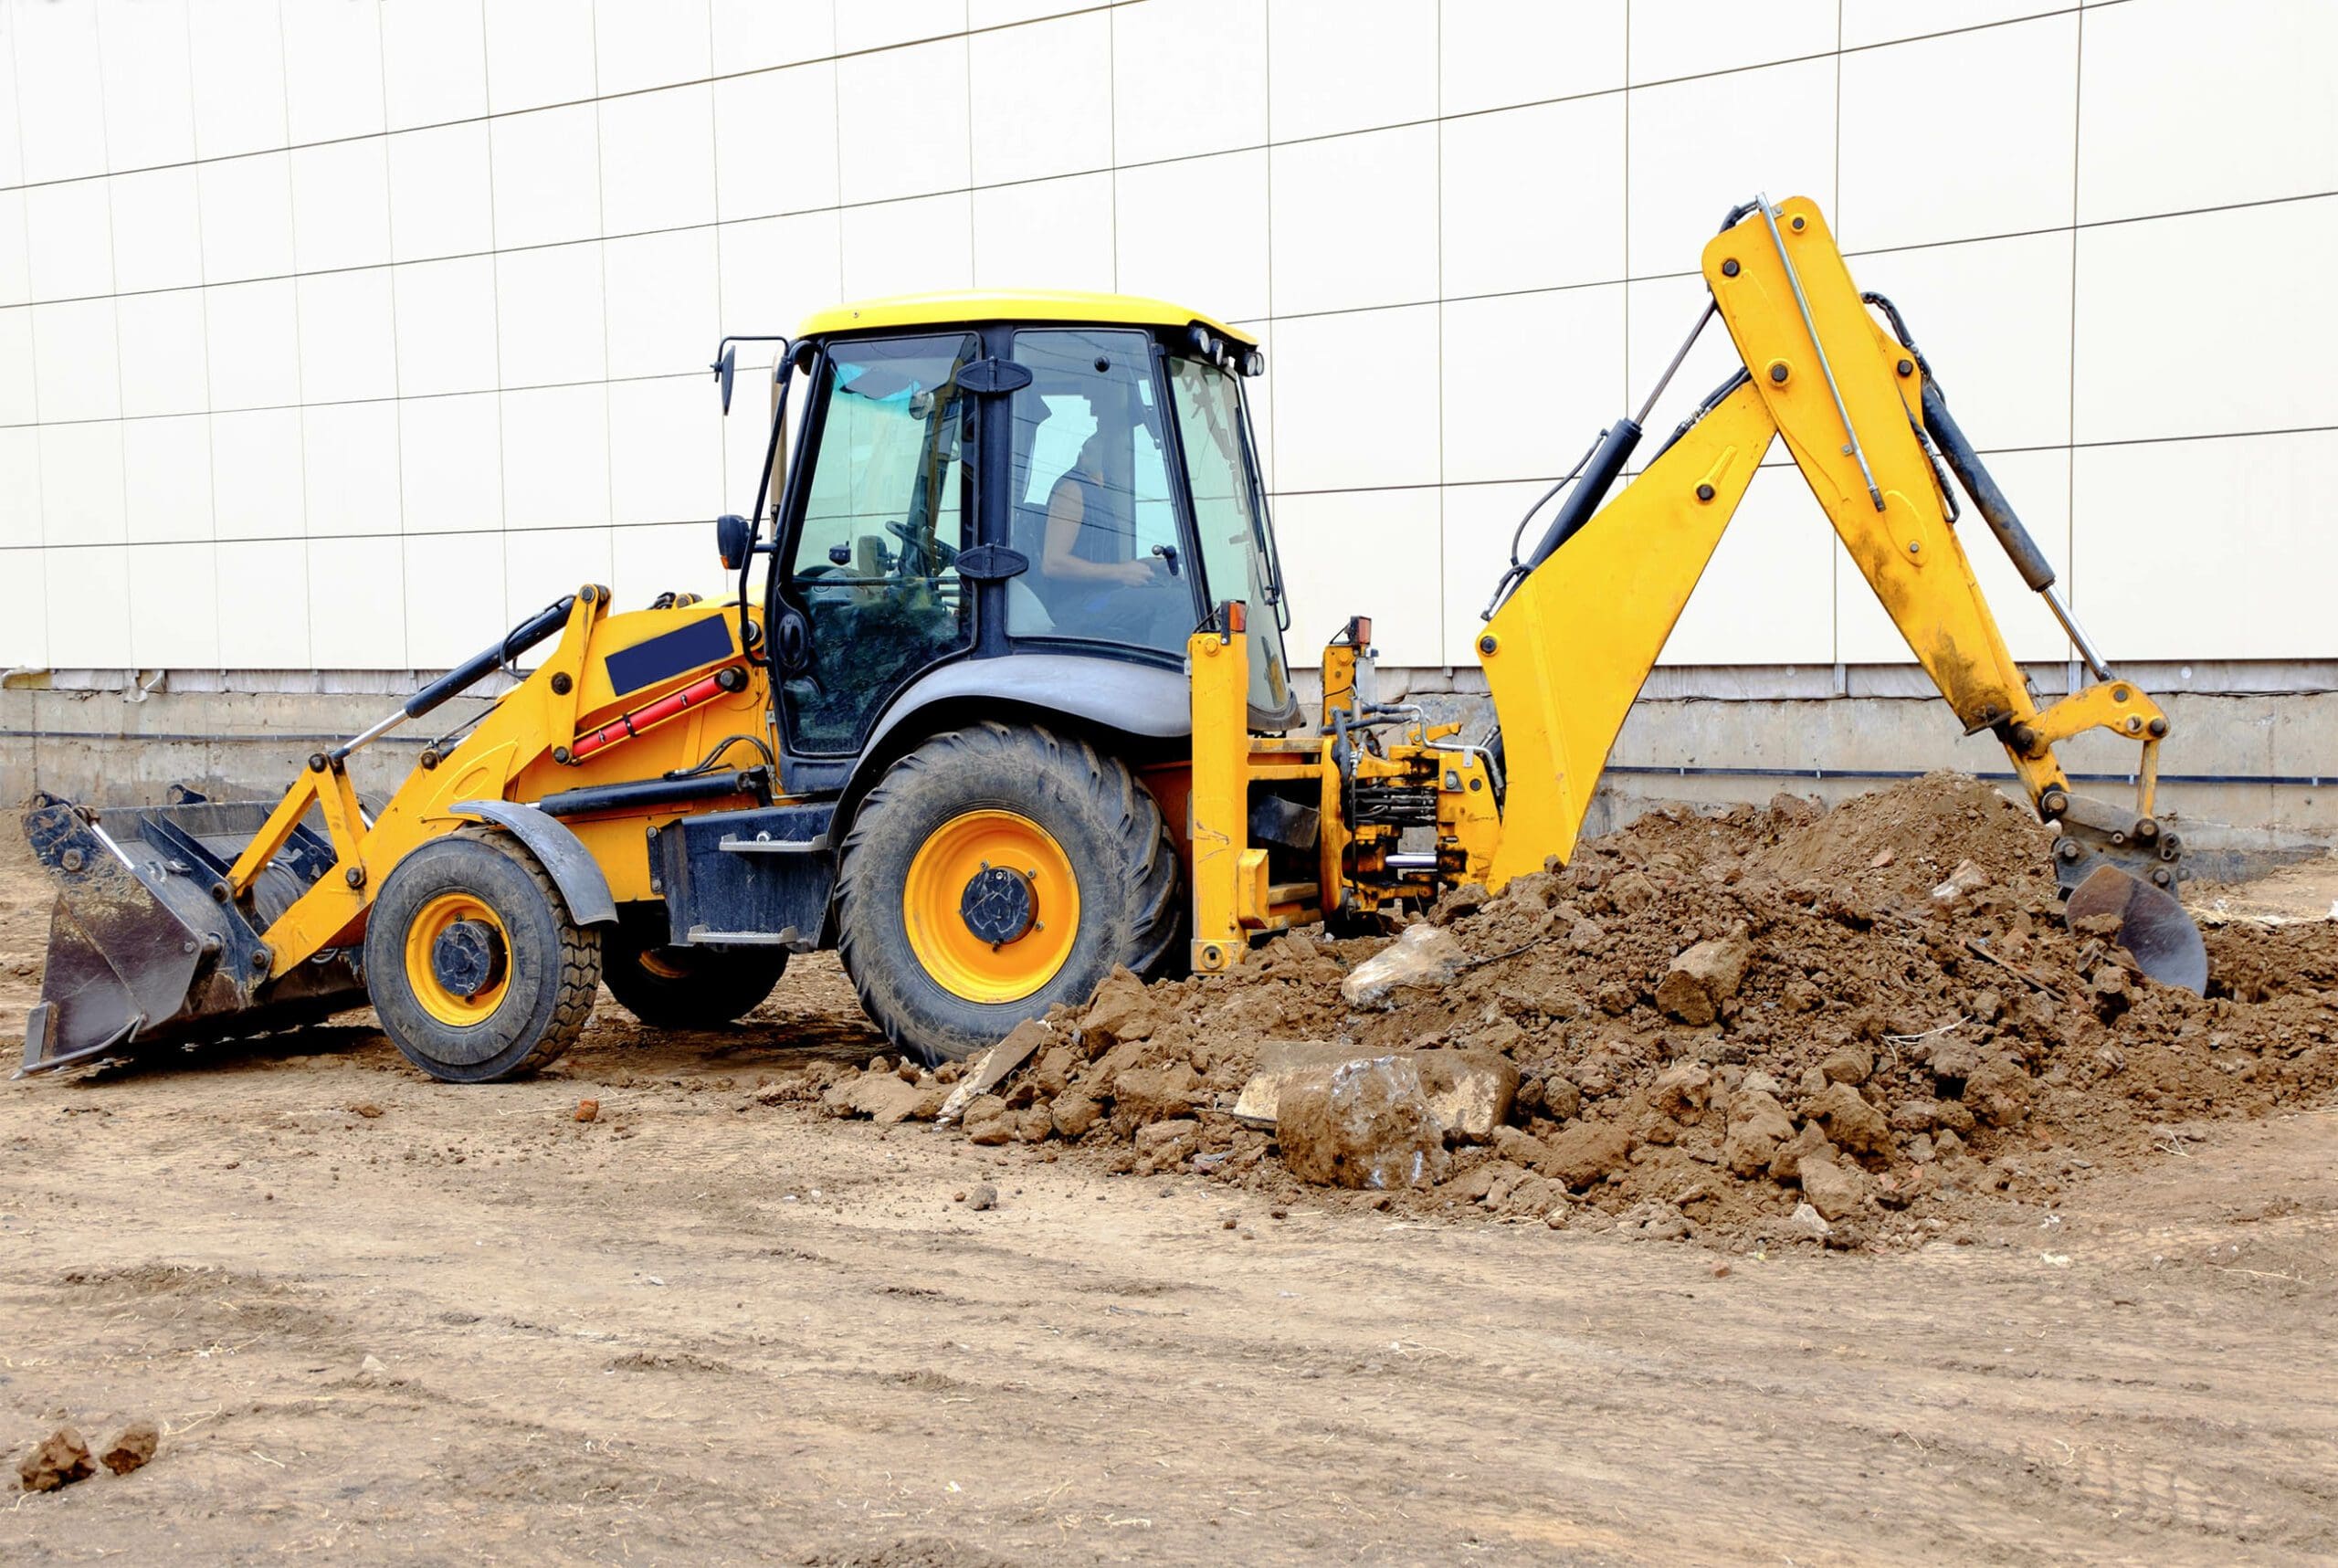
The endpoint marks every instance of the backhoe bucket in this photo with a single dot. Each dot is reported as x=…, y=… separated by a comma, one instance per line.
x=145, y=945
x=2152, y=926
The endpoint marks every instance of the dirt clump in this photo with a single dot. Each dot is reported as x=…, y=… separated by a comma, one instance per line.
x=131, y=1448
x=1713, y=1020
x=57, y=1460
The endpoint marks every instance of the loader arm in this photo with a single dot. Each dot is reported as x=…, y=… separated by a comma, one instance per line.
x=1568, y=651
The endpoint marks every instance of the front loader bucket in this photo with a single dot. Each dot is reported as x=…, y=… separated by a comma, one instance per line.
x=146, y=947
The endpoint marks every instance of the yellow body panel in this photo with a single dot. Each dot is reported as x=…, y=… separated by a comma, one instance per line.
x=955, y=310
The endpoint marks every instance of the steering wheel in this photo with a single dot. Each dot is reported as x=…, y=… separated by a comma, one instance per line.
x=945, y=554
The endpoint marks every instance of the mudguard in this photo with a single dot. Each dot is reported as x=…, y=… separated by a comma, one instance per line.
x=573, y=870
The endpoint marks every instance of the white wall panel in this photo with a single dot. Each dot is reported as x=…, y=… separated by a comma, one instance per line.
x=60, y=91
x=651, y=559
x=247, y=212
x=1498, y=53
x=1339, y=547
x=1046, y=234
x=752, y=34
x=2241, y=291
x=663, y=319
x=539, y=52
x=450, y=466
x=1063, y=127
x=550, y=315
x=542, y=565
x=264, y=604
x=1218, y=267
x=174, y=602
x=237, y=48
x=357, y=603
x=434, y=61
x=1349, y=65
x=903, y=120
x=332, y=71
x=1768, y=586
x=775, y=142
x=454, y=596
x=1993, y=319
x=909, y=246
x=80, y=484
x=68, y=240
x=1478, y=522
x=349, y=460
x=862, y=27
x=19, y=397
x=665, y=451
x=24, y=610
x=776, y=271
x=1699, y=148
x=252, y=332
x=2190, y=103
x=1493, y=241
x=1188, y=79
x=547, y=175
x=658, y=160
x=149, y=98
x=348, y=347
x=440, y=204
x=556, y=457
x=20, y=499
x=651, y=43
x=12, y=143
x=1327, y=437
x=167, y=479
x=2013, y=161
x=157, y=239
x=1354, y=221
x=1869, y=22
x=1527, y=379
x=257, y=489
x=446, y=316
x=16, y=265
x=341, y=204
x=1674, y=39
x=74, y=364
x=159, y=338
x=91, y=628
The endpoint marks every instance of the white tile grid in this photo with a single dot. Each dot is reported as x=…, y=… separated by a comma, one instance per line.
x=980, y=187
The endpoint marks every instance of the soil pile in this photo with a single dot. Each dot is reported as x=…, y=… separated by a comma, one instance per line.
x=1777, y=1023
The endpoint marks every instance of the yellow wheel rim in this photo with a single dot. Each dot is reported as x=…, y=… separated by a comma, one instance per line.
x=438, y=999
x=991, y=906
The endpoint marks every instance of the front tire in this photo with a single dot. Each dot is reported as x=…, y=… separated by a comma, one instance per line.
x=671, y=987
x=993, y=873
x=476, y=968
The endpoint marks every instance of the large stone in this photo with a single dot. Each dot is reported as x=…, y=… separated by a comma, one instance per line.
x=1998, y=1092
x=1683, y=1090
x=58, y=1460
x=1423, y=955
x=880, y=1097
x=990, y=1070
x=132, y=1446
x=1154, y=1094
x=1471, y=1092
x=1811, y=1140
x=1832, y=1188
x=1850, y=1121
x=1361, y=1123
x=1120, y=1010
x=1161, y=1145
x=1704, y=977
x=1758, y=1124
x=1587, y=1153
x=1074, y=1113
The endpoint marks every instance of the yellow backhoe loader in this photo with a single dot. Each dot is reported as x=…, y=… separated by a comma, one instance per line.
x=1002, y=703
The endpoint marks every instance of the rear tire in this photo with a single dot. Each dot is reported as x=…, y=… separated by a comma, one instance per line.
x=476, y=968
x=670, y=987
x=1076, y=840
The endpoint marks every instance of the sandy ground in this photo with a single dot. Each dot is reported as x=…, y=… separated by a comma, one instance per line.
x=706, y=1329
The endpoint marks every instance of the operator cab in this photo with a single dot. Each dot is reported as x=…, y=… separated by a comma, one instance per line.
x=978, y=477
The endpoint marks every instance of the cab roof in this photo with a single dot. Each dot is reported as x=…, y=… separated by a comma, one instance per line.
x=1011, y=305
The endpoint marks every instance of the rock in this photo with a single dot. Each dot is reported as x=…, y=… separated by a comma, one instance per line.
x=1520, y=1148
x=1653, y=1222
x=1965, y=881
x=1807, y=1224
x=1460, y=904
x=1585, y=935
x=1423, y=955
x=1586, y=1153
x=1074, y=1113
x=1470, y=1092
x=1120, y=1010
x=1631, y=892
x=1851, y=1064
x=1953, y=1061
x=1155, y=1094
x=588, y=1110
x=366, y=1108
x=987, y=1071
x=1759, y=1082
x=1161, y=1145
x=981, y=1195
x=1758, y=1124
x=1365, y=1123
x=1533, y=1195
x=883, y=1098
x=1915, y=1116
x=1704, y=977
x=129, y=1448
x=1562, y=1098
x=1920, y=1148
x=1997, y=1092
x=1786, y=1164
x=1851, y=1122
x=1833, y=1189
x=1683, y=1090
x=1052, y=1072
x=2110, y=993
x=58, y=1460
x=986, y=1121
x=371, y=1369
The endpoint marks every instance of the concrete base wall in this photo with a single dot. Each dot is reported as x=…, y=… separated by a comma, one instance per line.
x=2249, y=772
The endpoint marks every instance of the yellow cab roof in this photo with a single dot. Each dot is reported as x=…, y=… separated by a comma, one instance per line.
x=1011, y=305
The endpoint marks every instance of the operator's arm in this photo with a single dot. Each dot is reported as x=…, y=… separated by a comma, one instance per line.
x=1066, y=509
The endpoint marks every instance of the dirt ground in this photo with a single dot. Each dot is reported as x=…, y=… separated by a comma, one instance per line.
x=717, y=1326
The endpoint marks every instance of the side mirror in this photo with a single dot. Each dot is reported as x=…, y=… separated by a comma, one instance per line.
x=725, y=369
x=735, y=537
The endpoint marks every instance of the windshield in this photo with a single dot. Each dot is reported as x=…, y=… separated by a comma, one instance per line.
x=1229, y=519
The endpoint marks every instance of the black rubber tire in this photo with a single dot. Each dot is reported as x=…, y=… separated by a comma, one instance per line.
x=699, y=988
x=1109, y=825
x=554, y=964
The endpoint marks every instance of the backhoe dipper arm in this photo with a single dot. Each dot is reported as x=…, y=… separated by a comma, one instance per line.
x=1568, y=653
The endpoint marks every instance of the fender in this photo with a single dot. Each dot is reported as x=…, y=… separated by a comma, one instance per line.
x=573, y=870
x=1135, y=699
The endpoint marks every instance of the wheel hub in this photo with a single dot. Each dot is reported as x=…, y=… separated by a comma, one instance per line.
x=999, y=905
x=467, y=957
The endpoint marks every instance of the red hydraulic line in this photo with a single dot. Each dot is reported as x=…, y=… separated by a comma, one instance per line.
x=673, y=705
